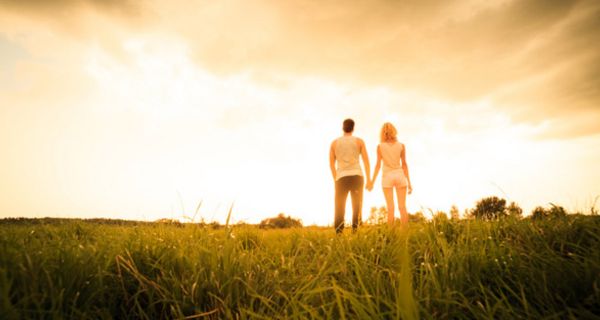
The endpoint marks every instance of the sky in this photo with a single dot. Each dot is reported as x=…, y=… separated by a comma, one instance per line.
x=151, y=109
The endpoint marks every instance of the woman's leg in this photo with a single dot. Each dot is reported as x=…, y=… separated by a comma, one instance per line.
x=389, y=199
x=401, y=193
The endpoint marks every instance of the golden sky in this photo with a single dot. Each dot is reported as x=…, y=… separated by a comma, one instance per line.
x=141, y=109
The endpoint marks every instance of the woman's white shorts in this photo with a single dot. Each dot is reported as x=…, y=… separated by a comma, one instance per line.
x=394, y=178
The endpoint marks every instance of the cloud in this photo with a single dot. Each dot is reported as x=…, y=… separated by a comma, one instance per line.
x=533, y=59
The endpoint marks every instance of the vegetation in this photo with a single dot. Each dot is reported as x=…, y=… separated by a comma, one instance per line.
x=418, y=217
x=377, y=216
x=445, y=268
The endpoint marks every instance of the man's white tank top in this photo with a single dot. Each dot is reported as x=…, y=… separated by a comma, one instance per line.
x=346, y=154
x=390, y=152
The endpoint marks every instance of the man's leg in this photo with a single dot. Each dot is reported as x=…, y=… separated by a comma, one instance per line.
x=341, y=194
x=357, y=197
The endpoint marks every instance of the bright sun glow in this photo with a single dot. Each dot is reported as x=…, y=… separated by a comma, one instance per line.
x=142, y=120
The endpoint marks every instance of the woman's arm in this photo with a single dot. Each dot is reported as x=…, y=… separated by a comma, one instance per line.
x=377, y=167
x=405, y=168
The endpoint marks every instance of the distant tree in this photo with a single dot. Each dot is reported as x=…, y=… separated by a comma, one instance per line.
x=514, y=210
x=281, y=221
x=417, y=217
x=377, y=216
x=454, y=213
x=489, y=208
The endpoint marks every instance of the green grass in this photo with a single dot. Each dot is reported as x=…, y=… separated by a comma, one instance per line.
x=467, y=269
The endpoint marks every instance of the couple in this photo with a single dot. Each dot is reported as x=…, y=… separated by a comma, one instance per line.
x=348, y=176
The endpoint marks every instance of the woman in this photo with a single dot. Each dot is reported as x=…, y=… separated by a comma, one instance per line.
x=395, y=172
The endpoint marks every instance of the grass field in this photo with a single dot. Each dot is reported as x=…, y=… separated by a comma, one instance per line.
x=506, y=269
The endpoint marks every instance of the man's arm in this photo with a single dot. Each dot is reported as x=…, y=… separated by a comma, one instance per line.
x=365, y=158
x=332, y=159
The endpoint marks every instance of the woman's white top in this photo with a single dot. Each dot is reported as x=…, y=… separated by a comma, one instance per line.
x=390, y=153
x=347, y=154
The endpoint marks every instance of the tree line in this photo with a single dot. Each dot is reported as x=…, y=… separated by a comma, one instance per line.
x=487, y=209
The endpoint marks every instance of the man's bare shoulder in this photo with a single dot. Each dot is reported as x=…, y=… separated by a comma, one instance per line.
x=360, y=141
x=333, y=143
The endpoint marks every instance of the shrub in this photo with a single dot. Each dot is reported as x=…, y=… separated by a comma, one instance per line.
x=553, y=212
x=557, y=211
x=281, y=221
x=539, y=213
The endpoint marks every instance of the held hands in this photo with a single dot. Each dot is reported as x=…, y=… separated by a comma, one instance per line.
x=369, y=185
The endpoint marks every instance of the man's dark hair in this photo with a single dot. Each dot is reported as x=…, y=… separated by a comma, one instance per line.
x=348, y=125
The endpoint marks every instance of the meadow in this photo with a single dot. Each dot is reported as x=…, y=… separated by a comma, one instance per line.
x=505, y=269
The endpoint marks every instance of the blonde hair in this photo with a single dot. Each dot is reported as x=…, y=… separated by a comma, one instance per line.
x=388, y=132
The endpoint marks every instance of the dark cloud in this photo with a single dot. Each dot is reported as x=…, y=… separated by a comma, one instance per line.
x=71, y=17
x=559, y=77
x=68, y=7
x=536, y=59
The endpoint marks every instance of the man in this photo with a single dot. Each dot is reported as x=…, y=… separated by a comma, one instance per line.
x=348, y=176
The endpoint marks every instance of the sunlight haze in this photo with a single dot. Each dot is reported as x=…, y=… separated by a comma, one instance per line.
x=143, y=109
